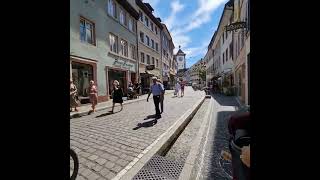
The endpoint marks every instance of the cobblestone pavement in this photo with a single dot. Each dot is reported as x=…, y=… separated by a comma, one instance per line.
x=105, y=143
x=218, y=138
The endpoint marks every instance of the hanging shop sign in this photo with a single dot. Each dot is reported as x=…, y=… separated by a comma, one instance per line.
x=123, y=64
x=236, y=25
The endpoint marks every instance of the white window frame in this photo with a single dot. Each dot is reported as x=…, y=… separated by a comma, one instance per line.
x=124, y=47
x=123, y=17
x=112, y=8
x=112, y=48
x=87, y=24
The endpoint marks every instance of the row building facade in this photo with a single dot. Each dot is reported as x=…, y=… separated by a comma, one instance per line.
x=115, y=40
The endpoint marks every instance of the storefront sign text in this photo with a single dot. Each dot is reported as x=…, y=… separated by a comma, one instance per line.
x=122, y=64
x=236, y=25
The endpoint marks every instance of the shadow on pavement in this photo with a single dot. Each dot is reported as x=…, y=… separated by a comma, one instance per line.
x=146, y=124
x=150, y=117
x=218, y=168
x=106, y=114
x=76, y=116
x=225, y=100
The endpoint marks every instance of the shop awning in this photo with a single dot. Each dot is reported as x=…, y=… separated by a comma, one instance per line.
x=153, y=73
x=227, y=71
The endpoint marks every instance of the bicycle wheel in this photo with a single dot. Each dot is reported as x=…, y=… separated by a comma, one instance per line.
x=75, y=164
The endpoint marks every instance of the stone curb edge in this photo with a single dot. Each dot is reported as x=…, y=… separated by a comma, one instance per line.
x=159, y=145
x=188, y=168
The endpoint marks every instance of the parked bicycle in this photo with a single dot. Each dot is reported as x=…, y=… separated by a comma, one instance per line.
x=75, y=164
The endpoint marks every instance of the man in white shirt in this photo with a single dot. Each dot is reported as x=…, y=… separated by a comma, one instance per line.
x=157, y=90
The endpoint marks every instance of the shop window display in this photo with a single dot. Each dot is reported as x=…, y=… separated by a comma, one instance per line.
x=81, y=76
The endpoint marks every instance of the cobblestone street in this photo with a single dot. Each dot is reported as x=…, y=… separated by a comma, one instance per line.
x=105, y=143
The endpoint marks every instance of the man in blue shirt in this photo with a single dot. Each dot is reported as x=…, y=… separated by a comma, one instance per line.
x=157, y=91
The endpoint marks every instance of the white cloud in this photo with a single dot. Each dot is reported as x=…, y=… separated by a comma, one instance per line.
x=201, y=16
x=203, y=13
x=176, y=7
x=180, y=40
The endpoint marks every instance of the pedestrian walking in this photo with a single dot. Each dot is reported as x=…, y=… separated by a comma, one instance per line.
x=162, y=96
x=130, y=91
x=117, y=95
x=74, y=102
x=182, y=89
x=137, y=88
x=177, y=89
x=93, y=95
x=157, y=90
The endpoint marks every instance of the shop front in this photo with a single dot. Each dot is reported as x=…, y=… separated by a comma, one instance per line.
x=121, y=70
x=240, y=82
x=82, y=72
x=146, y=73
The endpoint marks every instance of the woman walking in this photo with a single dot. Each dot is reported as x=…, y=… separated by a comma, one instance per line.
x=117, y=95
x=74, y=103
x=93, y=95
x=182, y=88
x=177, y=89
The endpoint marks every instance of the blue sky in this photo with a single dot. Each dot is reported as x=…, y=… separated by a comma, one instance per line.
x=190, y=22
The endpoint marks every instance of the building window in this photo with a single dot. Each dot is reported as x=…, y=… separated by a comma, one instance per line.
x=231, y=50
x=222, y=37
x=142, y=37
x=157, y=63
x=87, y=31
x=223, y=58
x=152, y=62
x=124, y=48
x=227, y=55
x=151, y=26
x=132, y=51
x=156, y=29
x=152, y=43
x=156, y=46
x=248, y=15
x=141, y=16
x=113, y=40
x=131, y=24
x=123, y=17
x=146, y=20
x=142, y=57
x=112, y=8
x=148, y=40
x=148, y=59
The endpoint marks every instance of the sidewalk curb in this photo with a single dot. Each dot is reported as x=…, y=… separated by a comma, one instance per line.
x=188, y=171
x=109, y=106
x=160, y=144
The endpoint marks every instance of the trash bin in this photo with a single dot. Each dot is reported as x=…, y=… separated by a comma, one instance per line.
x=239, y=170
